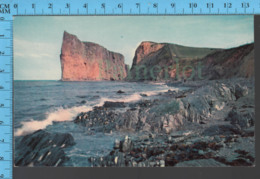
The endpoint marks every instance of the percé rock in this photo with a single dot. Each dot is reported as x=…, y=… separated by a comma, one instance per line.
x=42, y=148
x=82, y=61
x=165, y=61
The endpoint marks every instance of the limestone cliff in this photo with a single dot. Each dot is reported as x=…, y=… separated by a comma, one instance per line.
x=81, y=61
x=164, y=61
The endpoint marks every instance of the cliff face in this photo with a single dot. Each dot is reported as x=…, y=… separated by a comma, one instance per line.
x=229, y=63
x=164, y=61
x=82, y=61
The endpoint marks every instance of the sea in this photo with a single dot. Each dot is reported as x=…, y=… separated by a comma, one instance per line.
x=53, y=105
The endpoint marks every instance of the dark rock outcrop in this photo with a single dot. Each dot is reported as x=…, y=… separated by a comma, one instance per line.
x=244, y=117
x=120, y=91
x=42, y=149
x=184, y=149
x=205, y=125
x=89, y=61
x=109, y=104
x=215, y=101
x=164, y=61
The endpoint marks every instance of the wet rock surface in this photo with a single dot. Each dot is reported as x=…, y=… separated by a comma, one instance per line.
x=109, y=104
x=181, y=150
x=204, y=125
x=42, y=149
x=210, y=123
x=120, y=91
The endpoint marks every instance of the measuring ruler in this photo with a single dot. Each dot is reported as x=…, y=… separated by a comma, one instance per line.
x=8, y=9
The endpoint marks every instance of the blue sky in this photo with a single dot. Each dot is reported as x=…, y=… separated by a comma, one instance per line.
x=37, y=39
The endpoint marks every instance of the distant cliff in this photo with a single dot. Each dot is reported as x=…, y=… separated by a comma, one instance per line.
x=164, y=61
x=82, y=61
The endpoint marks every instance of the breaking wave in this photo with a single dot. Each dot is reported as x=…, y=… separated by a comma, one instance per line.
x=60, y=115
x=68, y=114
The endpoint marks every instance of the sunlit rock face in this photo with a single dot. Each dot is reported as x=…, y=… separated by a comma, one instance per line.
x=145, y=49
x=165, y=61
x=82, y=61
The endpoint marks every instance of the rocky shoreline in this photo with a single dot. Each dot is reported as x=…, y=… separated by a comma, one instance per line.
x=208, y=124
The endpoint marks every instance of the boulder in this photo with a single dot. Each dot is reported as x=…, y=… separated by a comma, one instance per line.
x=120, y=91
x=117, y=144
x=109, y=104
x=243, y=117
x=42, y=148
x=126, y=144
x=240, y=91
x=143, y=95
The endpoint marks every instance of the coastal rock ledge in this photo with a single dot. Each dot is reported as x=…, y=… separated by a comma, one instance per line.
x=82, y=61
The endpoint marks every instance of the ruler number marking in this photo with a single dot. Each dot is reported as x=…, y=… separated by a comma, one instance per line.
x=193, y=5
x=50, y=6
x=155, y=5
x=210, y=5
x=7, y=33
x=138, y=5
x=16, y=7
x=34, y=8
x=121, y=6
x=245, y=5
x=103, y=6
x=227, y=5
x=173, y=6
x=68, y=6
x=86, y=7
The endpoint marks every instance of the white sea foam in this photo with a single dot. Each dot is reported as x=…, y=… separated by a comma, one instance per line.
x=59, y=115
x=132, y=98
x=153, y=93
x=69, y=114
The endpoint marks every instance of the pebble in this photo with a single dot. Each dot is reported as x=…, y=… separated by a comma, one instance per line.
x=201, y=152
x=162, y=163
x=116, y=159
x=134, y=163
x=117, y=144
